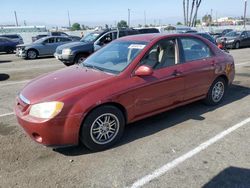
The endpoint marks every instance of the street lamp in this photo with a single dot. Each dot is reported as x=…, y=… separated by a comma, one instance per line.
x=245, y=12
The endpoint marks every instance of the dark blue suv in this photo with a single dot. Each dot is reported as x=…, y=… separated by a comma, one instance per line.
x=7, y=45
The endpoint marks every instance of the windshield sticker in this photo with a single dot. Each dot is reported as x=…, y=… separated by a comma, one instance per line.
x=137, y=46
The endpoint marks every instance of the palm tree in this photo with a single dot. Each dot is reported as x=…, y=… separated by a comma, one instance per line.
x=184, y=12
x=191, y=14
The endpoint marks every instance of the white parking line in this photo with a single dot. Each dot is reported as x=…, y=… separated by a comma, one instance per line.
x=240, y=64
x=167, y=167
x=7, y=114
x=14, y=83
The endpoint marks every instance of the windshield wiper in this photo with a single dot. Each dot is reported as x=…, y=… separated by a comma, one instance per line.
x=93, y=67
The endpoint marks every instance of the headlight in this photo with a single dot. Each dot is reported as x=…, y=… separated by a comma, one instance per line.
x=46, y=110
x=230, y=41
x=66, y=51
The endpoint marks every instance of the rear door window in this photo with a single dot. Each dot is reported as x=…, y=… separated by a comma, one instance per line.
x=195, y=49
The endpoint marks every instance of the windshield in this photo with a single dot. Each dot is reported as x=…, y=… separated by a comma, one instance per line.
x=90, y=37
x=233, y=34
x=115, y=57
x=39, y=40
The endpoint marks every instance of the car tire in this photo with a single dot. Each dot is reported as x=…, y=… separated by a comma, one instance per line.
x=216, y=92
x=32, y=54
x=237, y=45
x=80, y=58
x=102, y=128
x=68, y=64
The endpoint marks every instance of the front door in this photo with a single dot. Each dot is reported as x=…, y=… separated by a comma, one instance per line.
x=164, y=88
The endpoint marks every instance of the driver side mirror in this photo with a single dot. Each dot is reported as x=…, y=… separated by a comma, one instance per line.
x=144, y=71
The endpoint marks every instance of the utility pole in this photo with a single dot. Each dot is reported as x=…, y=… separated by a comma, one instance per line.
x=245, y=13
x=16, y=18
x=129, y=17
x=69, y=19
x=145, y=20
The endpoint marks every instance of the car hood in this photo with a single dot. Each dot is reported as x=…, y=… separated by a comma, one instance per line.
x=72, y=45
x=227, y=38
x=56, y=85
x=24, y=45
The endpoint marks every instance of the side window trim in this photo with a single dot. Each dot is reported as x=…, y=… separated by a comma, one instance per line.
x=177, y=52
x=183, y=53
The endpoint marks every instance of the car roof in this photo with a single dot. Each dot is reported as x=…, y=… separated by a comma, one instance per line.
x=150, y=37
x=6, y=38
x=48, y=37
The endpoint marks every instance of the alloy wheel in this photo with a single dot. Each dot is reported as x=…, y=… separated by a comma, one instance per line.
x=104, y=129
x=218, y=91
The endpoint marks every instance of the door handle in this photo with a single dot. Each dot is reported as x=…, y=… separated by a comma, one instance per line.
x=177, y=73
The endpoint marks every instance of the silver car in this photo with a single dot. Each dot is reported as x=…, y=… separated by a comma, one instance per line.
x=43, y=47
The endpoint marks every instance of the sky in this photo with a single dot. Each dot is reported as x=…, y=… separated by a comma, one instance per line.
x=100, y=12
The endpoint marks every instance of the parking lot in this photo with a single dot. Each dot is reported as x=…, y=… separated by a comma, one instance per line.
x=191, y=146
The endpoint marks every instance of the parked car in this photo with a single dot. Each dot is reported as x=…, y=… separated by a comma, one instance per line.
x=235, y=39
x=7, y=45
x=132, y=78
x=148, y=30
x=43, y=47
x=208, y=37
x=61, y=34
x=77, y=52
x=220, y=33
x=15, y=37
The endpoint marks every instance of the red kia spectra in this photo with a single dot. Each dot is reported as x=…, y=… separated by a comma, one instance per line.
x=130, y=79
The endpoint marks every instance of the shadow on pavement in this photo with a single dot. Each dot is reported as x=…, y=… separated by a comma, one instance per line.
x=7, y=61
x=4, y=76
x=231, y=177
x=166, y=120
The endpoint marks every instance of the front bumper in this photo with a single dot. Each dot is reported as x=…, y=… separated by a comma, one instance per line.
x=58, y=131
x=230, y=45
x=65, y=58
x=21, y=53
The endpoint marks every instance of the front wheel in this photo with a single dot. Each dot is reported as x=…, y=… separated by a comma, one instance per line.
x=102, y=128
x=80, y=58
x=31, y=54
x=216, y=92
x=237, y=45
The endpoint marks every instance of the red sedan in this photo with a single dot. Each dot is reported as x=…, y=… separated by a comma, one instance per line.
x=130, y=79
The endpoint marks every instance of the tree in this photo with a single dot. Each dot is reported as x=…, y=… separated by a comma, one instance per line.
x=179, y=23
x=207, y=19
x=122, y=24
x=76, y=26
x=190, y=17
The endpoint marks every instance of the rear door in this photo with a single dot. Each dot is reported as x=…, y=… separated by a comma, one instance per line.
x=198, y=67
x=2, y=44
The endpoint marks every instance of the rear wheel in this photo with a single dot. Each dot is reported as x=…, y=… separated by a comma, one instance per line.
x=102, y=128
x=80, y=58
x=216, y=92
x=32, y=54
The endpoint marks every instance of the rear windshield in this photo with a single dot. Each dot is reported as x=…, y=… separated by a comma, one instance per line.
x=11, y=36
